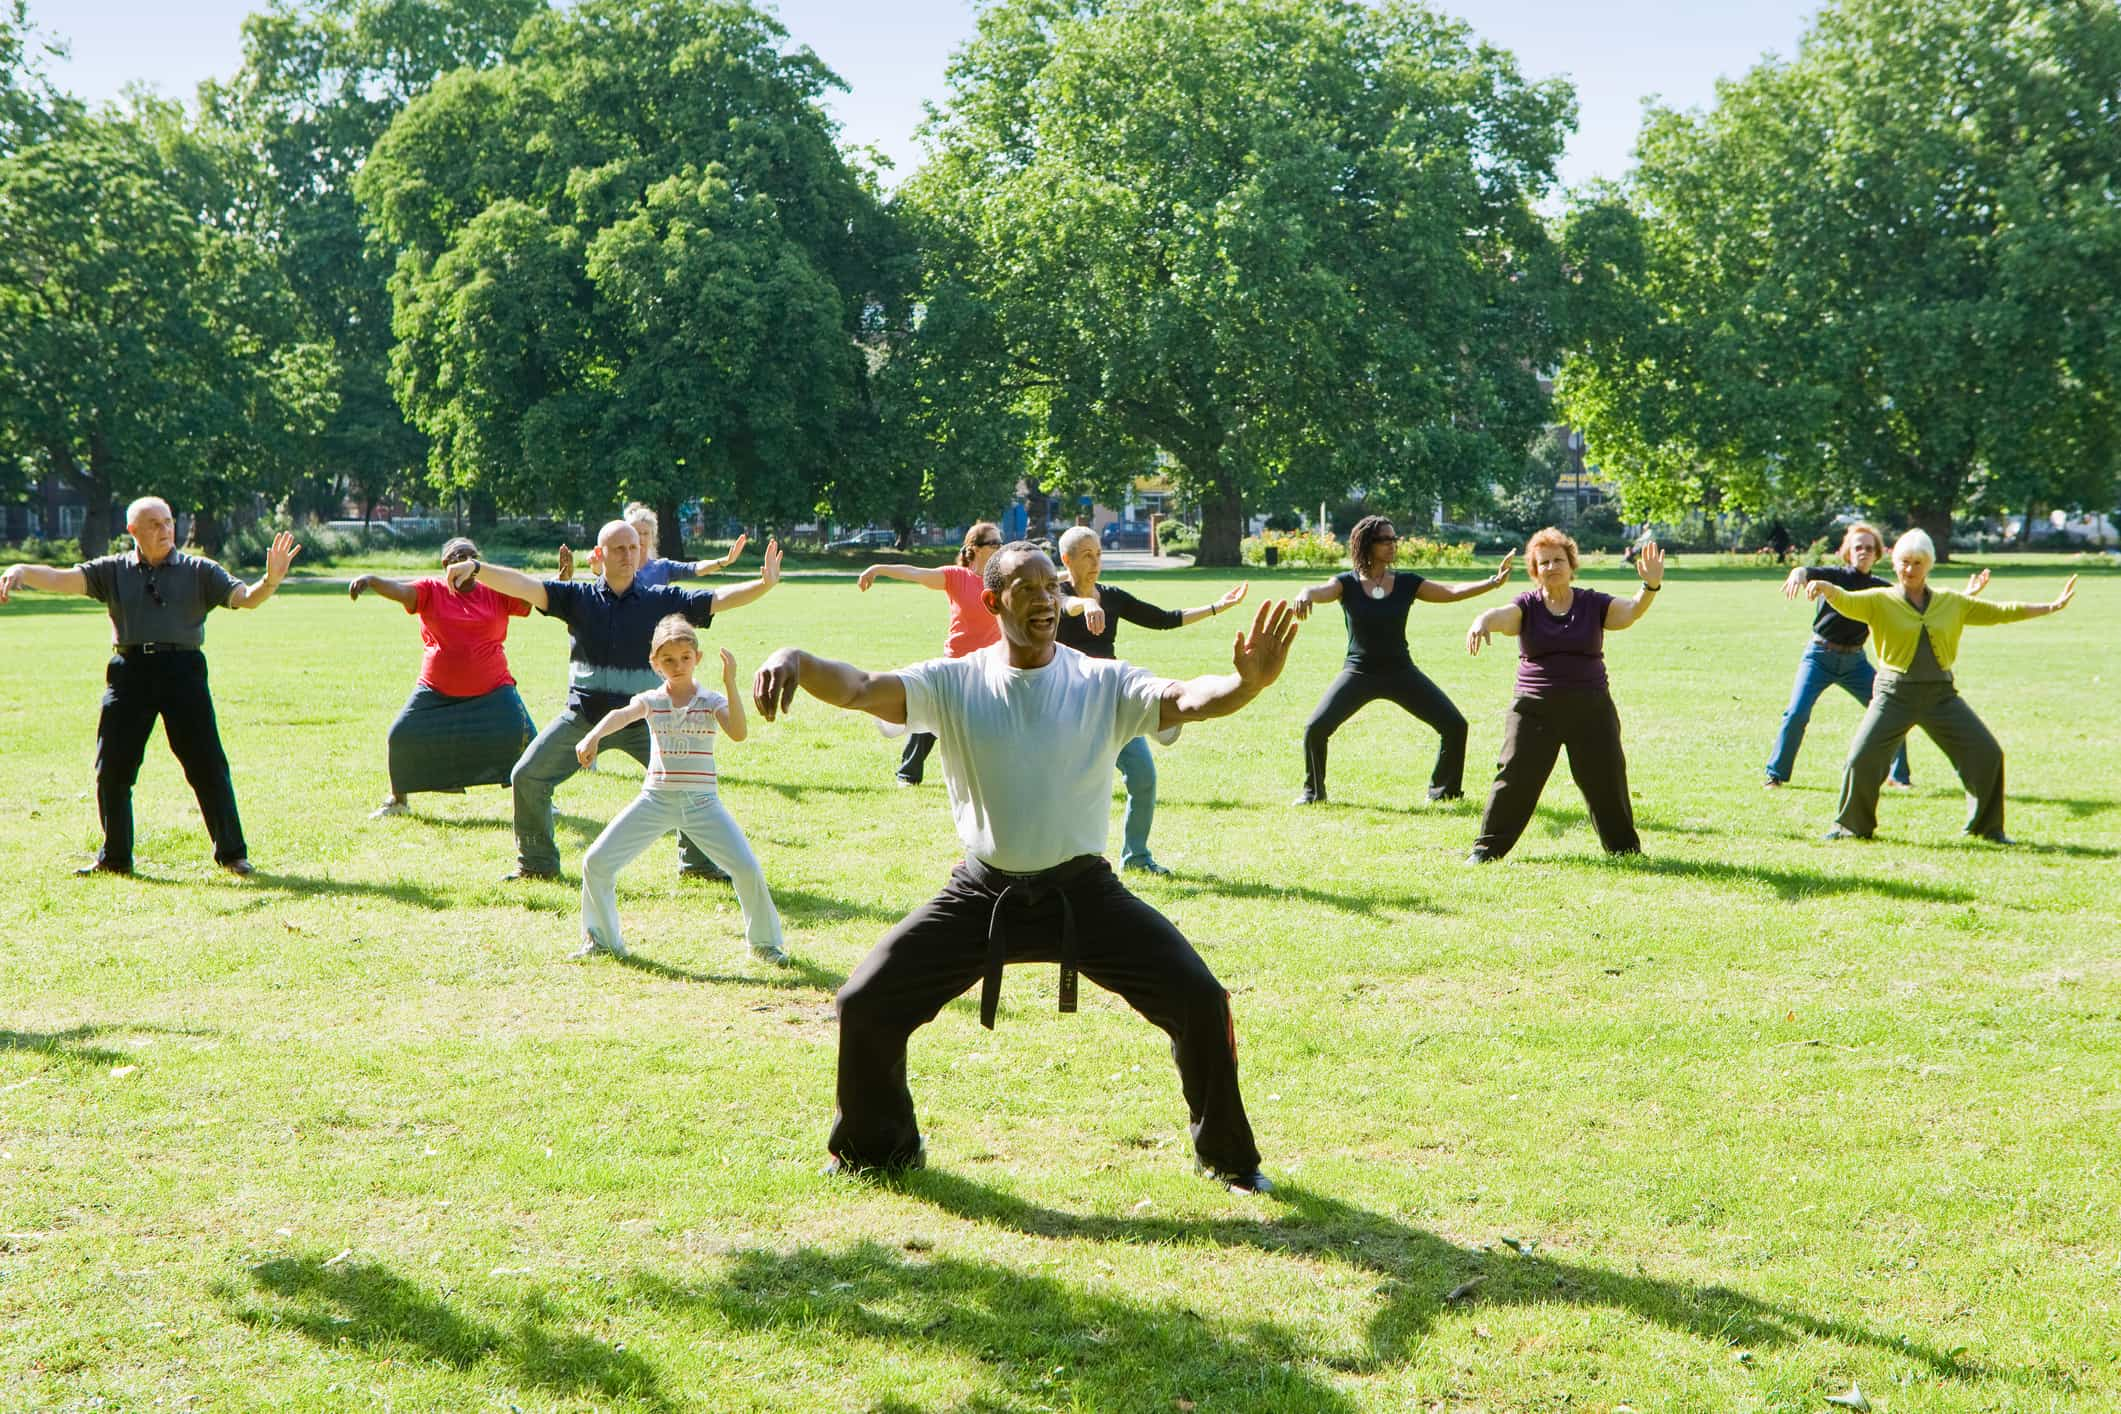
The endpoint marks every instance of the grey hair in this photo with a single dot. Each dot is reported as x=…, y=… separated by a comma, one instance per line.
x=132, y=512
x=1073, y=536
x=1916, y=543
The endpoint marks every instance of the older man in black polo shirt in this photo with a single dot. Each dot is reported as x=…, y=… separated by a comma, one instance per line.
x=158, y=600
x=610, y=621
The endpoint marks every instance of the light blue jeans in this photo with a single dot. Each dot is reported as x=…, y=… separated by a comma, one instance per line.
x=703, y=819
x=1820, y=669
x=1139, y=772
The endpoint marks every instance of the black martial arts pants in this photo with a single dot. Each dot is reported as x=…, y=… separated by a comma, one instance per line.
x=942, y=948
x=913, y=759
x=140, y=686
x=1533, y=735
x=1410, y=689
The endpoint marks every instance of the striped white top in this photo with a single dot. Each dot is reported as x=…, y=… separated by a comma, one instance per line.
x=681, y=740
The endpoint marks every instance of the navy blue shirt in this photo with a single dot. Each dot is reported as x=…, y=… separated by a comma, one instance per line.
x=609, y=634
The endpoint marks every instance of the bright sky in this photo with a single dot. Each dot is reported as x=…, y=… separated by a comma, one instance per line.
x=1617, y=52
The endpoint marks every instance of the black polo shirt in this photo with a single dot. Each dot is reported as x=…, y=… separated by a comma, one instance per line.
x=609, y=634
x=1837, y=628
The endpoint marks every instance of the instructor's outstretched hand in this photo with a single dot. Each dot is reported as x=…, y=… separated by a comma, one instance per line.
x=773, y=686
x=1260, y=655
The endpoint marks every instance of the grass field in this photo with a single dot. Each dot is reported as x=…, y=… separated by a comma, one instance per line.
x=1731, y=1127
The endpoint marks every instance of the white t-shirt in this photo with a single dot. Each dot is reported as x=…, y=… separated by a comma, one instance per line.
x=1028, y=752
x=681, y=740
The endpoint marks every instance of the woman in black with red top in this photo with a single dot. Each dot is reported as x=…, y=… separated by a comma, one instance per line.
x=1375, y=598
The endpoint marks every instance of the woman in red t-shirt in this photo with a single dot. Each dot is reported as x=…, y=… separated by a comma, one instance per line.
x=972, y=625
x=464, y=724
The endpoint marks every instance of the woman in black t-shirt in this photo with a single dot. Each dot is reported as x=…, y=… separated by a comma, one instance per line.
x=1375, y=598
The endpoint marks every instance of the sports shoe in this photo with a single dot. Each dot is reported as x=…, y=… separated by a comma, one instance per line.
x=1306, y=798
x=1773, y=783
x=836, y=1165
x=241, y=868
x=1899, y=785
x=1438, y=793
x=1146, y=866
x=520, y=875
x=777, y=956
x=1479, y=856
x=99, y=867
x=1837, y=833
x=1246, y=1183
x=1997, y=838
x=591, y=947
x=703, y=871
x=389, y=808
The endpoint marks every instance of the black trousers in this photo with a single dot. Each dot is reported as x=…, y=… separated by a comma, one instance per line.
x=940, y=949
x=913, y=760
x=138, y=688
x=1410, y=689
x=1534, y=733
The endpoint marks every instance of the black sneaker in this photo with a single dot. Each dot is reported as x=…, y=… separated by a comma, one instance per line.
x=241, y=868
x=709, y=872
x=519, y=875
x=836, y=1165
x=99, y=867
x=1254, y=1182
x=1438, y=793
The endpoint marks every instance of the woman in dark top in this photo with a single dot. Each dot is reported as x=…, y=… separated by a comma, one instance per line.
x=1090, y=615
x=1561, y=698
x=1375, y=598
x=1835, y=657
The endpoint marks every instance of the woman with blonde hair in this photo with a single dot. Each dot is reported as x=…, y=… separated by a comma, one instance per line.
x=1835, y=657
x=1561, y=699
x=972, y=624
x=1917, y=628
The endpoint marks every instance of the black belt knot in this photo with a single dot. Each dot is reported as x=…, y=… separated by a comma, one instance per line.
x=1031, y=888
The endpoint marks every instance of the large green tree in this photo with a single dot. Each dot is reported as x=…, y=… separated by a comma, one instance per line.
x=321, y=80
x=1290, y=243
x=152, y=343
x=633, y=263
x=1887, y=270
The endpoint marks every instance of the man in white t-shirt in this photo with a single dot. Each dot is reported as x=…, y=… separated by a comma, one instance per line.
x=1029, y=731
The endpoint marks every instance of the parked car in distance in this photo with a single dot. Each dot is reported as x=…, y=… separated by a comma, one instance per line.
x=871, y=539
x=1126, y=535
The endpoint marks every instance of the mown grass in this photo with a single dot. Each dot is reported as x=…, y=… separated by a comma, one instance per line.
x=1734, y=1126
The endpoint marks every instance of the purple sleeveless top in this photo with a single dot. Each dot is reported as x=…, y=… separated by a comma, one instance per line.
x=1561, y=653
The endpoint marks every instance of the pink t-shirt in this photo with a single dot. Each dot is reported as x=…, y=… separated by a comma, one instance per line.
x=464, y=634
x=972, y=627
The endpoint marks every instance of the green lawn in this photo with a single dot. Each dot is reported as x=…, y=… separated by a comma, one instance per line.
x=1731, y=1127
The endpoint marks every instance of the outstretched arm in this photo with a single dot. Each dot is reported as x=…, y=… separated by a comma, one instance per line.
x=1433, y=593
x=1327, y=593
x=277, y=560
x=1258, y=658
x=706, y=567
x=911, y=574
x=44, y=577
x=1230, y=600
x=1650, y=565
x=1507, y=619
x=397, y=591
x=502, y=580
x=736, y=596
x=881, y=695
x=1982, y=611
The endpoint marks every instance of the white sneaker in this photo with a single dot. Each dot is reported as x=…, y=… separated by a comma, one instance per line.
x=591, y=947
x=777, y=956
x=389, y=808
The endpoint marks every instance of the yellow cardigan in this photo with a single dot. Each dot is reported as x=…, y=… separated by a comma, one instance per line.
x=1898, y=627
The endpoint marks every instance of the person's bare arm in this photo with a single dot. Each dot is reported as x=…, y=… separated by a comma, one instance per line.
x=1327, y=593
x=1431, y=592
x=277, y=561
x=585, y=750
x=1230, y=600
x=1258, y=658
x=501, y=579
x=837, y=684
x=1086, y=608
x=732, y=714
x=1650, y=565
x=911, y=574
x=396, y=591
x=45, y=577
x=1507, y=619
x=736, y=596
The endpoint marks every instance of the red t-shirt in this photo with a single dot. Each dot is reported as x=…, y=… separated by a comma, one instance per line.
x=464, y=634
x=972, y=627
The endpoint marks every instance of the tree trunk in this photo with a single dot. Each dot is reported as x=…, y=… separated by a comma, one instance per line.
x=96, y=527
x=208, y=533
x=64, y=473
x=669, y=530
x=902, y=527
x=1222, y=519
x=1936, y=518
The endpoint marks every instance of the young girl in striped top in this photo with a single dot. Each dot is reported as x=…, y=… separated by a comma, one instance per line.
x=678, y=794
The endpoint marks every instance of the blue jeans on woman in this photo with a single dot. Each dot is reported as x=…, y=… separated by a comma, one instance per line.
x=1139, y=772
x=1821, y=668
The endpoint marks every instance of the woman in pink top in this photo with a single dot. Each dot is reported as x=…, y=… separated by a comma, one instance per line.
x=972, y=625
x=464, y=724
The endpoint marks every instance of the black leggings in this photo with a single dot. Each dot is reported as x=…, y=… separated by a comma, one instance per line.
x=1407, y=686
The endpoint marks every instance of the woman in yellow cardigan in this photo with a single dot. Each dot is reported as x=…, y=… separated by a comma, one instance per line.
x=1917, y=629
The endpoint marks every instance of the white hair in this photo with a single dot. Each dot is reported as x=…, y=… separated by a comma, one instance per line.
x=1073, y=536
x=132, y=512
x=1916, y=544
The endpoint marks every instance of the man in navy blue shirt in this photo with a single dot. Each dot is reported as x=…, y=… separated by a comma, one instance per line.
x=610, y=621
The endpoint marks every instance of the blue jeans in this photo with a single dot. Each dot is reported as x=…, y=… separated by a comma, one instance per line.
x=1139, y=772
x=1818, y=670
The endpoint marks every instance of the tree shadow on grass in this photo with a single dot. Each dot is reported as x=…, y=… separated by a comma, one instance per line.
x=380, y=1313
x=1789, y=884
x=1421, y=1271
x=1559, y=819
x=805, y=909
x=1045, y=1342
x=1963, y=844
x=1190, y=883
x=1330, y=805
x=798, y=974
x=71, y=1045
x=796, y=790
x=2078, y=807
x=580, y=826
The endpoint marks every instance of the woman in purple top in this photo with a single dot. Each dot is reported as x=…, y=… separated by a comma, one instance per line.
x=1561, y=699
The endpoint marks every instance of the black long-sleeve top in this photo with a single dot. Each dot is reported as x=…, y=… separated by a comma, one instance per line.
x=1119, y=604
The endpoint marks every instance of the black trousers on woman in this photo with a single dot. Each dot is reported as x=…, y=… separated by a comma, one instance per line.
x=913, y=758
x=947, y=944
x=1534, y=734
x=141, y=685
x=1410, y=689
